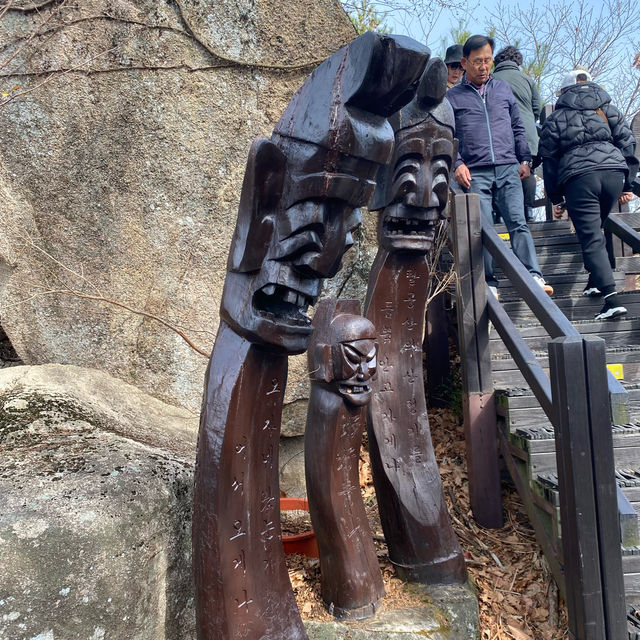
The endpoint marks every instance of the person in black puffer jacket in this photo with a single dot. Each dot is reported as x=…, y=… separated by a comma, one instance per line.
x=589, y=164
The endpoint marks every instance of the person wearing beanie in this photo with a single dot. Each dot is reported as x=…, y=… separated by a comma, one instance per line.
x=588, y=154
x=452, y=59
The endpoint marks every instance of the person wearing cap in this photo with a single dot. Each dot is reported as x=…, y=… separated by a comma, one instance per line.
x=493, y=154
x=452, y=59
x=507, y=68
x=589, y=165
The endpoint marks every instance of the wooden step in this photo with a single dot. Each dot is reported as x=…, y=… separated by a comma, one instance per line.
x=506, y=374
x=545, y=486
x=630, y=218
x=564, y=284
x=616, y=333
x=524, y=411
x=536, y=446
x=575, y=308
x=547, y=227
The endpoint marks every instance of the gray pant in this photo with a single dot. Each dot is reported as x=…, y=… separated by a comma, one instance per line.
x=500, y=185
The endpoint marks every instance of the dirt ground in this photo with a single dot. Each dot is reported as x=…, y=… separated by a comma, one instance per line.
x=517, y=596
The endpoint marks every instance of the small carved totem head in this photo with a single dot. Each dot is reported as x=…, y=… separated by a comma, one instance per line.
x=304, y=187
x=343, y=351
x=413, y=190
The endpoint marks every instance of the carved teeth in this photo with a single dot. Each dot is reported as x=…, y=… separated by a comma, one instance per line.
x=269, y=289
x=290, y=296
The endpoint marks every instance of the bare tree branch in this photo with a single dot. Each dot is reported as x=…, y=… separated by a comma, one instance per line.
x=32, y=7
x=96, y=295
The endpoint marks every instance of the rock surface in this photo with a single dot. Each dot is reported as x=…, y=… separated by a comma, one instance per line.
x=95, y=526
x=448, y=613
x=120, y=175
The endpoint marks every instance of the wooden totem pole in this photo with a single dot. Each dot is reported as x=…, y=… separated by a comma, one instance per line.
x=342, y=362
x=412, y=198
x=300, y=202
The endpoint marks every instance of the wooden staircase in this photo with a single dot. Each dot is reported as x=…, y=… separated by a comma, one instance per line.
x=524, y=426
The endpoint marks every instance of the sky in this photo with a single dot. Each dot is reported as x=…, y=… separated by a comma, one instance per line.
x=475, y=17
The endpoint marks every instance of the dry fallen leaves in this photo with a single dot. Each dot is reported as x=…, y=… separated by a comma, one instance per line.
x=516, y=594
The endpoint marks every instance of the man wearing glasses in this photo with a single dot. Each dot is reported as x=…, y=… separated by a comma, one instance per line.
x=493, y=154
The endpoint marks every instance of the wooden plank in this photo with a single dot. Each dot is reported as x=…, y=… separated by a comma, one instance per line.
x=543, y=462
x=628, y=356
x=606, y=490
x=531, y=370
x=542, y=306
x=632, y=219
x=578, y=509
x=467, y=337
x=575, y=309
x=482, y=459
x=544, y=535
x=563, y=285
x=437, y=351
x=479, y=291
x=473, y=338
x=628, y=519
x=631, y=584
x=617, y=226
x=619, y=333
x=546, y=228
x=628, y=264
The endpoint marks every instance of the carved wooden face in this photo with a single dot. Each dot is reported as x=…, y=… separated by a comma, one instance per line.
x=420, y=188
x=281, y=254
x=344, y=353
x=354, y=364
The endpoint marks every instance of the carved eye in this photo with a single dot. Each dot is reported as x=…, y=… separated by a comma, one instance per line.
x=404, y=177
x=440, y=182
x=352, y=355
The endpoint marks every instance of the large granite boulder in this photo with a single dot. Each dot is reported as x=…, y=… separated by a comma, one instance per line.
x=120, y=174
x=96, y=490
x=95, y=525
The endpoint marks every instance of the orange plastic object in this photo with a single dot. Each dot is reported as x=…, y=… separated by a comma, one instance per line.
x=303, y=543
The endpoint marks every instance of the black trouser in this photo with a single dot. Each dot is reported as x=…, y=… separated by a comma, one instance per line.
x=590, y=198
x=529, y=192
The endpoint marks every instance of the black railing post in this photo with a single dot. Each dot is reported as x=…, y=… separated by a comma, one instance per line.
x=436, y=346
x=584, y=453
x=477, y=386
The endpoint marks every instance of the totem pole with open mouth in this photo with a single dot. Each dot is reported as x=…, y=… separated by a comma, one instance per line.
x=412, y=199
x=300, y=203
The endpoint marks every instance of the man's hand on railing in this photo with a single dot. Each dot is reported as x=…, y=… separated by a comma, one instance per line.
x=558, y=211
x=625, y=197
x=463, y=176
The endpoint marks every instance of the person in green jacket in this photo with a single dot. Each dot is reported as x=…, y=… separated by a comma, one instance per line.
x=507, y=68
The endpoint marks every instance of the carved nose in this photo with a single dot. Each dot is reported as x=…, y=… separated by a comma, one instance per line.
x=363, y=371
x=423, y=198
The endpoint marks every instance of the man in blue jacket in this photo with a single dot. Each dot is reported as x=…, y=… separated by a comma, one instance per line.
x=493, y=155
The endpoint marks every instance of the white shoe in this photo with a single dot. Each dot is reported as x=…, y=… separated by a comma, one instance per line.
x=547, y=288
x=494, y=291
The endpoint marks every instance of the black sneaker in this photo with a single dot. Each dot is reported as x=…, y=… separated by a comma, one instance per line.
x=611, y=309
x=591, y=291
